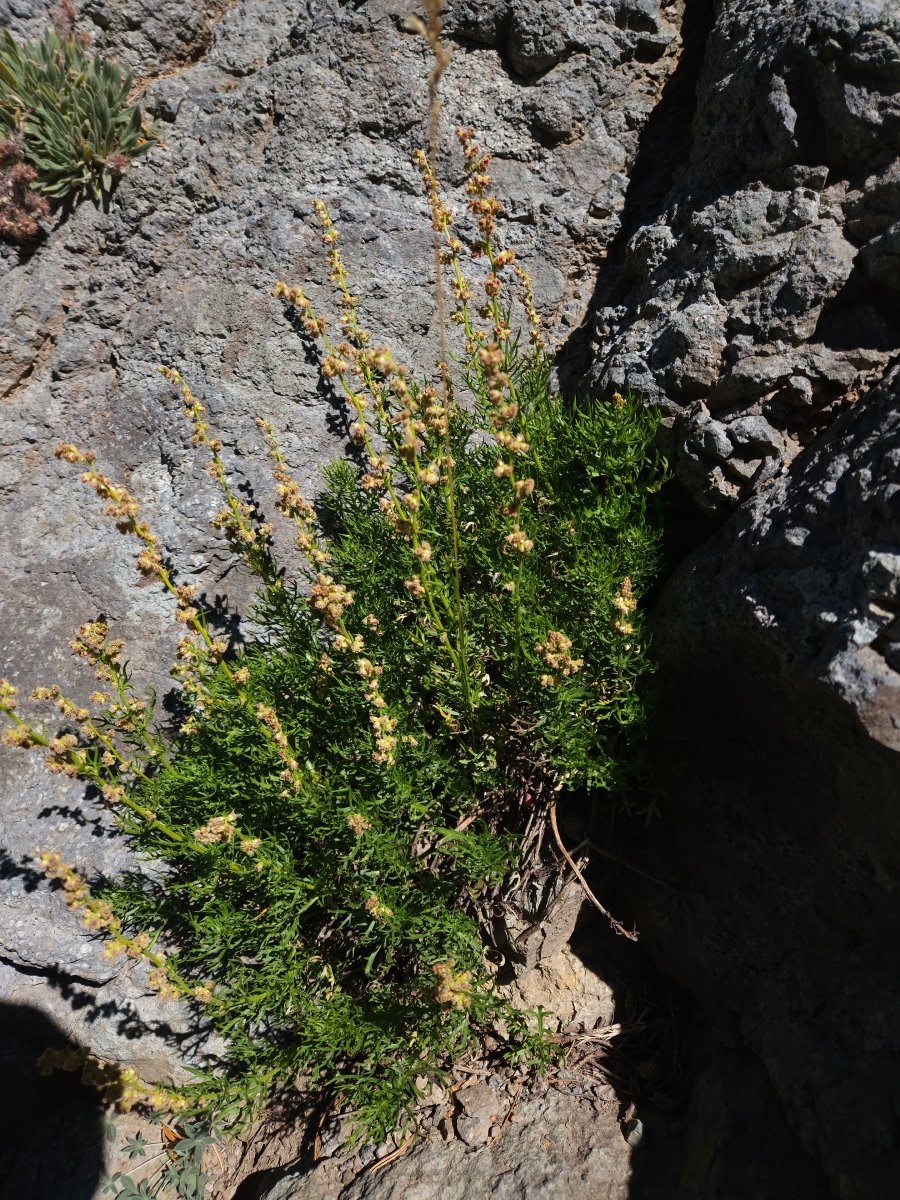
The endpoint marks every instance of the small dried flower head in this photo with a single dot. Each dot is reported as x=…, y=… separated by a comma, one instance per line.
x=203, y=993
x=431, y=474
x=352, y=645
x=415, y=587
x=98, y=916
x=330, y=599
x=624, y=599
x=114, y=948
x=216, y=829
x=422, y=552
x=158, y=980
x=358, y=823
x=453, y=987
x=515, y=443
x=375, y=908
x=519, y=541
x=554, y=650
x=250, y=845
x=19, y=736
x=139, y=946
x=332, y=366
x=69, y=453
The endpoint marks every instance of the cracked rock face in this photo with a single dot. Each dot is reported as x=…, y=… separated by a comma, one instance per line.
x=764, y=281
x=780, y=644
x=553, y=1147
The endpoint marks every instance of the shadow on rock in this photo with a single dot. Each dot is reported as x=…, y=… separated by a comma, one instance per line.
x=696, y=1107
x=51, y=1127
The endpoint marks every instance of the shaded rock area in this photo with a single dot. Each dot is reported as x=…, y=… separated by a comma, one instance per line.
x=752, y=289
x=779, y=645
x=52, y=1130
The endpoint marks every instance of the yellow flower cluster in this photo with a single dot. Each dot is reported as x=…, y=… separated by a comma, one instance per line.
x=90, y=644
x=624, y=601
x=453, y=987
x=375, y=908
x=329, y=599
x=358, y=823
x=480, y=203
x=384, y=725
x=217, y=829
x=554, y=651
x=121, y=1087
x=97, y=915
x=267, y=717
x=291, y=502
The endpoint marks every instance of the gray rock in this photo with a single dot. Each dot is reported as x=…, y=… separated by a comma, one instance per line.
x=479, y=1108
x=552, y=1148
x=762, y=213
x=779, y=648
x=880, y=258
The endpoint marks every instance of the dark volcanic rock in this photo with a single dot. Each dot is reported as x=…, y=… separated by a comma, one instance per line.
x=764, y=281
x=780, y=643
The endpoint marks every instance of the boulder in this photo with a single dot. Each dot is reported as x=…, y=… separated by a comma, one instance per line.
x=779, y=643
x=262, y=106
x=755, y=268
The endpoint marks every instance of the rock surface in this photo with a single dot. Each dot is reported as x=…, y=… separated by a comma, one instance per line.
x=779, y=642
x=707, y=196
x=553, y=1147
x=758, y=277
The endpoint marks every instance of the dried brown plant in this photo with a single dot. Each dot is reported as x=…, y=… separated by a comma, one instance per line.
x=21, y=209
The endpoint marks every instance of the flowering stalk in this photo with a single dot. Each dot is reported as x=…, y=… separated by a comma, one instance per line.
x=236, y=519
x=98, y=917
x=403, y=428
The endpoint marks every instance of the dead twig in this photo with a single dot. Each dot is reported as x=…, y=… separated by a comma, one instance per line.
x=616, y=925
x=392, y=1157
x=507, y=1116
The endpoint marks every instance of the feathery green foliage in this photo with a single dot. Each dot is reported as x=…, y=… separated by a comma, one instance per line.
x=72, y=110
x=343, y=803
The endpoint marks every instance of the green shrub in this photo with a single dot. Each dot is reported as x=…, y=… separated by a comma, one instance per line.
x=342, y=804
x=72, y=110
